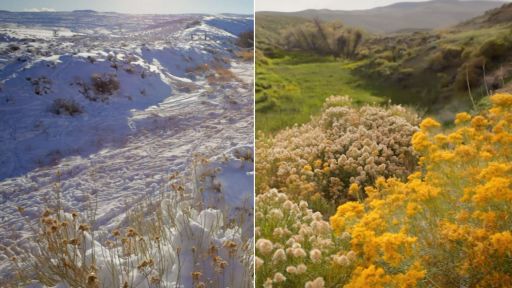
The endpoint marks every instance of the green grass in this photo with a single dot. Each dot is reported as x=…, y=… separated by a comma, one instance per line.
x=290, y=91
x=291, y=86
x=473, y=37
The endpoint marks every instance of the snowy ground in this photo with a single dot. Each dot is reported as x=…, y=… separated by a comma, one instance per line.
x=122, y=147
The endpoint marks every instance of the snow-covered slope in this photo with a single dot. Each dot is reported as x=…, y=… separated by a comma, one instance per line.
x=113, y=104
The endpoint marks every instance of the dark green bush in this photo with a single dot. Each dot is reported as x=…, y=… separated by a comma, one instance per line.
x=446, y=57
x=472, y=72
x=496, y=49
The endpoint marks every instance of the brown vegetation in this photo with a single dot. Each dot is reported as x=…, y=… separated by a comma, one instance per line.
x=66, y=107
x=246, y=39
x=246, y=55
x=104, y=86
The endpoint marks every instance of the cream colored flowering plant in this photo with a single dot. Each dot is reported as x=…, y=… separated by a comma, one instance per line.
x=295, y=247
x=345, y=145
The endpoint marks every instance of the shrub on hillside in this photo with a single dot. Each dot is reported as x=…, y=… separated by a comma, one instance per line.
x=104, y=86
x=496, y=49
x=446, y=57
x=246, y=39
x=246, y=55
x=69, y=107
x=449, y=224
x=193, y=24
x=470, y=73
x=323, y=38
x=343, y=147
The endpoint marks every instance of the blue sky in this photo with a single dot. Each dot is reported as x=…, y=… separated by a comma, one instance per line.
x=133, y=6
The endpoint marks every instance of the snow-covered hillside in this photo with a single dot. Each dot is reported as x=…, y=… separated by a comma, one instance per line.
x=113, y=104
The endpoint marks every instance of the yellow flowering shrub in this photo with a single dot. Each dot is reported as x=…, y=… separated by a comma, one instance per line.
x=449, y=224
x=344, y=145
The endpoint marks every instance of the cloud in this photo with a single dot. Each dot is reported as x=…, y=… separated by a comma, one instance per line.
x=42, y=9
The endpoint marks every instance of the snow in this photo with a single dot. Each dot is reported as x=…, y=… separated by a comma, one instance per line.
x=233, y=25
x=121, y=150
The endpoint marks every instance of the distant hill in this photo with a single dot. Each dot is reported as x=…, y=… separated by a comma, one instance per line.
x=84, y=11
x=268, y=27
x=492, y=17
x=400, y=16
x=430, y=68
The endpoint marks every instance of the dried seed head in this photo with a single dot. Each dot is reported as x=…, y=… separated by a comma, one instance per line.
x=155, y=279
x=130, y=232
x=142, y=265
x=230, y=244
x=74, y=241
x=84, y=227
x=47, y=212
x=92, y=279
x=196, y=275
x=54, y=228
x=212, y=251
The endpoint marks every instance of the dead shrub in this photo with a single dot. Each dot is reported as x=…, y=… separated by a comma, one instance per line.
x=221, y=75
x=129, y=69
x=246, y=39
x=68, y=107
x=246, y=55
x=199, y=69
x=104, y=86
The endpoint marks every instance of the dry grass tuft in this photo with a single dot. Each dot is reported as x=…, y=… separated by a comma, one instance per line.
x=160, y=241
x=246, y=55
x=221, y=75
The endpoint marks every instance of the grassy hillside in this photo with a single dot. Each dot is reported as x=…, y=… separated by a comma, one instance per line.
x=268, y=28
x=292, y=87
x=441, y=67
x=430, y=70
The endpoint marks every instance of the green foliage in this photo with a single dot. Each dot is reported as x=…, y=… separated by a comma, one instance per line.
x=446, y=57
x=323, y=38
x=496, y=49
x=289, y=90
x=470, y=72
x=428, y=69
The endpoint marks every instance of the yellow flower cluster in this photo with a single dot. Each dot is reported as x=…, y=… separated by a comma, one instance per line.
x=449, y=224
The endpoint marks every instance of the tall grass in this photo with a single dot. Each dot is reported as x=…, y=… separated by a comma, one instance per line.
x=170, y=241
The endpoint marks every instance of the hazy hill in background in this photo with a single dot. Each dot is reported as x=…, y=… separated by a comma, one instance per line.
x=407, y=15
x=430, y=69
